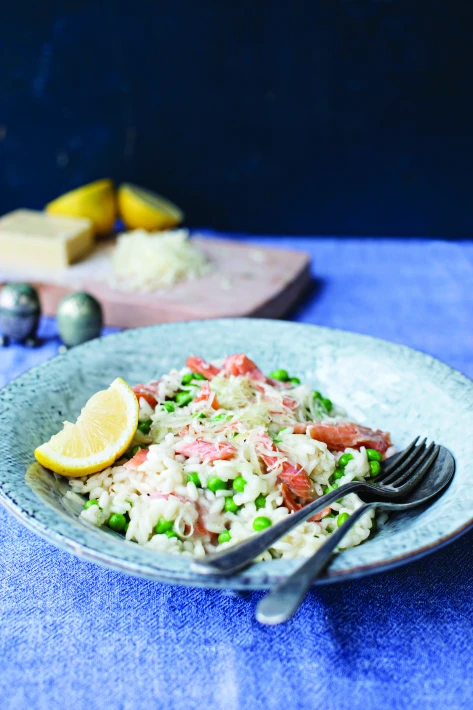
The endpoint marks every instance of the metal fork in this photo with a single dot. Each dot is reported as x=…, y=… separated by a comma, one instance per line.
x=399, y=475
x=284, y=599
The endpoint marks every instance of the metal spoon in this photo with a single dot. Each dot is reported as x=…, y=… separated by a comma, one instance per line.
x=400, y=474
x=284, y=599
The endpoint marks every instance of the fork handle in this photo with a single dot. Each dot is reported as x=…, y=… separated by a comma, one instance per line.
x=284, y=599
x=243, y=554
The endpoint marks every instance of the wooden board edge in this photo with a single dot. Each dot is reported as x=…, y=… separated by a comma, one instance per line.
x=284, y=301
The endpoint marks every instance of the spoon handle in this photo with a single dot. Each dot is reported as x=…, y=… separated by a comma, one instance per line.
x=284, y=599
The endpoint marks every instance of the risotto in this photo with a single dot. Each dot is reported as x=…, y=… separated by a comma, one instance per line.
x=223, y=451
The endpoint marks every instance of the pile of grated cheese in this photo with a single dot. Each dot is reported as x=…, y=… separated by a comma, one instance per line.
x=150, y=261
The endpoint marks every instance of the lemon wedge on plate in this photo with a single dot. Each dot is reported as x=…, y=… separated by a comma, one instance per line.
x=96, y=201
x=142, y=209
x=101, y=434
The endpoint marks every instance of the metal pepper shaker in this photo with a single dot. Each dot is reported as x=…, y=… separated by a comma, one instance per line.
x=20, y=311
x=79, y=318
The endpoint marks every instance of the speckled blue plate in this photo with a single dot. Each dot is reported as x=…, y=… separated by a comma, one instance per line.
x=380, y=384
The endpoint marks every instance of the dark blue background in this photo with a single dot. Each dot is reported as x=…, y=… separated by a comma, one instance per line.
x=253, y=115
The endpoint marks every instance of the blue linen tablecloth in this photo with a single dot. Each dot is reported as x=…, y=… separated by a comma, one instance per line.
x=75, y=635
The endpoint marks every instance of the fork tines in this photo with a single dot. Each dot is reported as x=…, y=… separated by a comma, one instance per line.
x=410, y=465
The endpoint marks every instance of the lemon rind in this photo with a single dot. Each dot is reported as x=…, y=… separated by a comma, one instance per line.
x=165, y=212
x=74, y=467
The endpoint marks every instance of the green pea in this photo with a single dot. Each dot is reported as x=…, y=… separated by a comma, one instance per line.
x=338, y=473
x=198, y=376
x=224, y=536
x=327, y=403
x=295, y=380
x=280, y=375
x=183, y=398
x=163, y=526
x=342, y=518
x=117, y=522
x=230, y=505
x=260, y=501
x=374, y=455
x=317, y=395
x=216, y=484
x=331, y=515
x=144, y=427
x=193, y=477
x=137, y=448
x=329, y=488
x=239, y=484
x=171, y=533
x=169, y=406
x=187, y=379
x=261, y=523
x=375, y=468
x=343, y=460
x=90, y=503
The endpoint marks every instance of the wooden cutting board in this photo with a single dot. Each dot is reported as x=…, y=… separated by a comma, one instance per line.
x=247, y=280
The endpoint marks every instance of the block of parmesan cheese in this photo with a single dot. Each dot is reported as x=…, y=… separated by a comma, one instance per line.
x=36, y=238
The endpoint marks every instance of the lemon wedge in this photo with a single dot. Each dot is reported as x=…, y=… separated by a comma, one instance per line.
x=102, y=432
x=96, y=201
x=142, y=209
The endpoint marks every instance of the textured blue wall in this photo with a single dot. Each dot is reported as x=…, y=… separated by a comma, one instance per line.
x=254, y=115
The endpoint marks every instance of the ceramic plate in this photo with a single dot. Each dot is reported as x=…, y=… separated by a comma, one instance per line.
x=379, y=384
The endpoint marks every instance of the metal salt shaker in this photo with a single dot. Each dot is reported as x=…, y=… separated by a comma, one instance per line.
x=20, y=311
x=79, y=318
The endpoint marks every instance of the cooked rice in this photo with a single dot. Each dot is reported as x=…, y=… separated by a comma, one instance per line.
x=158, y=487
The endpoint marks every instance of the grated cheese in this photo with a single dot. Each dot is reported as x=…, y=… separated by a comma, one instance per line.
x=144, y=261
